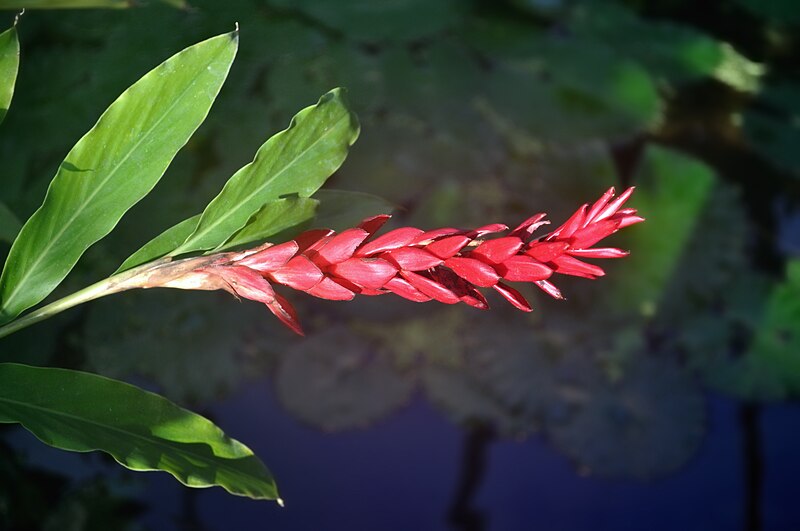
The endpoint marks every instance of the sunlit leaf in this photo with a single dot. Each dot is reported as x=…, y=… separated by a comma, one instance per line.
x=9, y=224
x=9, y=65
x=83, y=412
x=297, y=160
x=112, y=167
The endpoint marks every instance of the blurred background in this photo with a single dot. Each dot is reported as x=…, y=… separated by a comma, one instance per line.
x=660, y=397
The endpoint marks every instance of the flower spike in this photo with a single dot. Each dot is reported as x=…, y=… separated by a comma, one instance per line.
x=446, y=265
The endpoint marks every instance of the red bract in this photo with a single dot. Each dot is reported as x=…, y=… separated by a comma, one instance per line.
x=446, y=265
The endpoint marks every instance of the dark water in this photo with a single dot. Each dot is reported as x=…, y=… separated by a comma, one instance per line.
x=662, y=396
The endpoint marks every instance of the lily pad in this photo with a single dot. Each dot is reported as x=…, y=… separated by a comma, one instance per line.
x=334, y=381
x=644, y=425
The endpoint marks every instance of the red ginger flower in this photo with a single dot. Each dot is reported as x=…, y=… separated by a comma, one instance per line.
x=446, y=265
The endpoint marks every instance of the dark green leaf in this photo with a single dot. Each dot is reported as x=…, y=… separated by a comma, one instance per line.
x=83, y=412
x=112, y=167
x=297, y=160
x=9, y=65
x=9, y=224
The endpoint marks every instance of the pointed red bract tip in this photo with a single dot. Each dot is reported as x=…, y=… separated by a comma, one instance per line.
x=446, y=265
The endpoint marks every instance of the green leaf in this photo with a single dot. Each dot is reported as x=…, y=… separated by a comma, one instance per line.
x=83, y=412
x=274, y=217
x=161, y=244
x=297, y=160
x=112, y=167
x=9, y=65
x=334, y=209
x=9, y=224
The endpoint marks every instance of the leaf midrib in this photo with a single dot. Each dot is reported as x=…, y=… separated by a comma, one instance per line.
x=210, y=227
x=152, y=441
x=29, y=271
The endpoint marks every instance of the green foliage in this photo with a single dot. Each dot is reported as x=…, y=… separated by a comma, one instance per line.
x=295, y=161
x=672, y=189
x=769, y=369
x=776, y=11
x=9, y=224
x=112, y=167
x=79, y=4
x=64, y=4
x=672, y=53
x=83, y=412
x=9, y=65
x=773, y=125
x=403, y=20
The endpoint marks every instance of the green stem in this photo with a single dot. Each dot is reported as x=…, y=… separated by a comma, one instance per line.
x=154, y=274
x=97, y=290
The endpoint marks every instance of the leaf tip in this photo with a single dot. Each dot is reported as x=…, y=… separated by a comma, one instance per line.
x=280, y=502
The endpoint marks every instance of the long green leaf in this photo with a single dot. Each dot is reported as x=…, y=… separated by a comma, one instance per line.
x=143, y=431
x=274, y=217
x=9, y=224
x=161, y=244
x=112, y=167
x=9, y=65
x=297, y=160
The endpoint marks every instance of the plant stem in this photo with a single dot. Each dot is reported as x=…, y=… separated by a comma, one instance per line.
x=97, y=290
x=154, y=274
